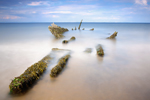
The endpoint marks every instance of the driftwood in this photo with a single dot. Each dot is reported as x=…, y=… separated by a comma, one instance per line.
x=25, y=80
x=58, y=68
x=66, y=41
x=113, y=35
x=99, y=50
x=57, y=31
x=80, y=24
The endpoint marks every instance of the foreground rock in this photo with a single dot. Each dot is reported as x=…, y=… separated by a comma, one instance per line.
x=71, y=39
x=99, y=50
x=113, y=35
x=58, y=68
x=57, y=31
x=25, y=80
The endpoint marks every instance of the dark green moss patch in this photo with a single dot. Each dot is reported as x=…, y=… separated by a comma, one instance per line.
x=113, y=35
x=25, y=80
x=58, y=68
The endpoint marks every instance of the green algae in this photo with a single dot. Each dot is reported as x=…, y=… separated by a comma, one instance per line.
x=31, y=74
x=61, y=64
x=113, y=35
x=99, y=50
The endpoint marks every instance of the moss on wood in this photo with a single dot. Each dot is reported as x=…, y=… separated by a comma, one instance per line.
x=31, y=74
x=58, y=68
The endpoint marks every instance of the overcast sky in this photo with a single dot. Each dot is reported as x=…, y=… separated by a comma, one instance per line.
x=74, y=10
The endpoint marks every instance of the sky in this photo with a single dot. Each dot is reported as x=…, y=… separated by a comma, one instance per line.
x=75, y=10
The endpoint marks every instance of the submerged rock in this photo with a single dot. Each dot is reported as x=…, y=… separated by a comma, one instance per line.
x=80, y=24
x=88, y=50
x=25, y=80
x=113, y=35
x=57, y=31
x=83, y=29
x=72, y=28
x=92, y=29
x=61, y=64
x=99, y=50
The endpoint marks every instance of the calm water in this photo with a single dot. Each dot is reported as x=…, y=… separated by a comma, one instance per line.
x=122, y=74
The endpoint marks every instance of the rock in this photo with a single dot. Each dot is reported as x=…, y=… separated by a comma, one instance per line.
x=113, y=35
x=92, y=29
x=83, y=29
x=80, y=24
x=99, y=50
x=72, y=28
x=57, y=31
x=58, y=68
x=88, y=50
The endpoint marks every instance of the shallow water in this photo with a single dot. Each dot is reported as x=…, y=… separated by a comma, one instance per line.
x=122, y=74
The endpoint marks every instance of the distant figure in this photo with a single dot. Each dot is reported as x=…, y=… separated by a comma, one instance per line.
x=54, y=25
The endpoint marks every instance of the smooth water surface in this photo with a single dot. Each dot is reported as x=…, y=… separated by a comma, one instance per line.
x=122, y=74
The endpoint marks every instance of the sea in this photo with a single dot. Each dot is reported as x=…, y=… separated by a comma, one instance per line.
x=123, y=73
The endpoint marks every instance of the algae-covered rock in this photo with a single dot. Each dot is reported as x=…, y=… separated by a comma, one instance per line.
x=57, y=31
x=72, y=38
x=92, y=29
x=80, y=24
x=113, y=35
x=99, y=50
x=65, y=41
x=83, y=29
x=61, y=64
x=88, y=50
x=31, y=74
x=72, y=28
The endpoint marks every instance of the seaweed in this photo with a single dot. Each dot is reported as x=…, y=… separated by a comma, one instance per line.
x=80, y=24
x=99, y=50
x=61, y=64
x=66, y=41
x=113, y=35
x=31, y=74
x=57, y=31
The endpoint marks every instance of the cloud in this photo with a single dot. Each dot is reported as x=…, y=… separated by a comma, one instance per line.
x=141, y=2
x=38, y=3
x=10, y=17
x=62, y=12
